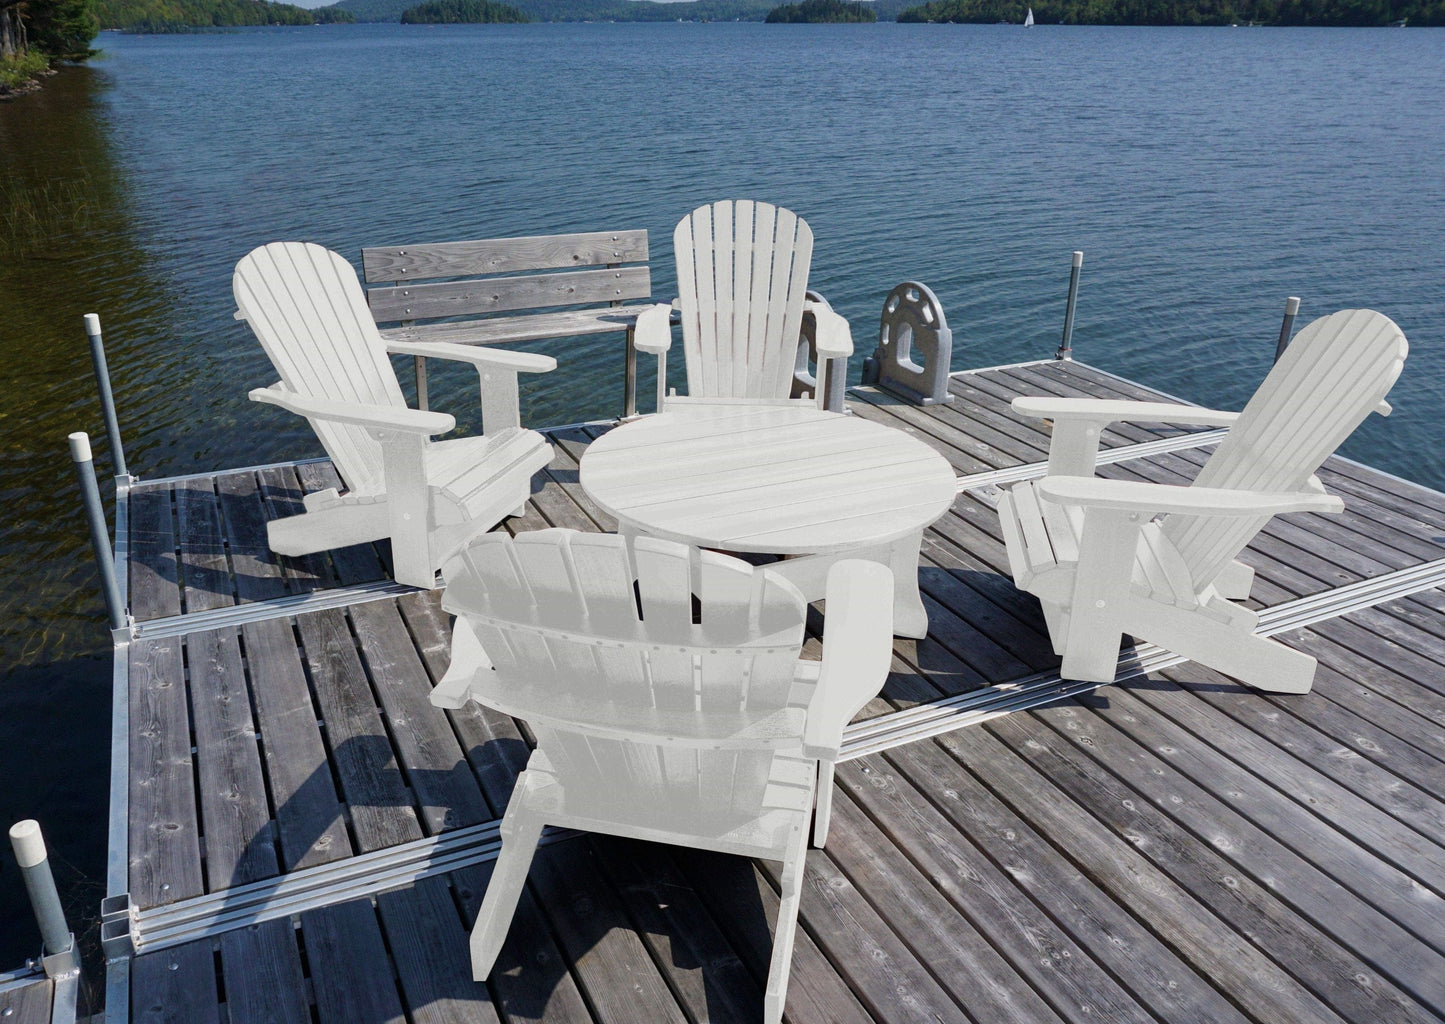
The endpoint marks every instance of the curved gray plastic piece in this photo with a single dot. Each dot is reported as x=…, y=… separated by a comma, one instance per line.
x=915, y=346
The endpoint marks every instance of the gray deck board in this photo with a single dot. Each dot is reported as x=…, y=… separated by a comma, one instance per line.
x=27, y=1004
x=1173, y=849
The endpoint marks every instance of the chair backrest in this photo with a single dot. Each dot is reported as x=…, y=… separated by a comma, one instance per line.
x=742, y=276
x=1334, y=373
x=600, y=649
x=306, y=307
x=495, y=275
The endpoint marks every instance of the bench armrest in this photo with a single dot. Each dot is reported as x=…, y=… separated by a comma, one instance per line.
x=356, y=414
x=1151, y=499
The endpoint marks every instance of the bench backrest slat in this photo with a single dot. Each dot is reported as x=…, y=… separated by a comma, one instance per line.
x=503, y=255
x=502, y=294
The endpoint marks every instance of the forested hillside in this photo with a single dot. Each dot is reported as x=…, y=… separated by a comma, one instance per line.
x=1186, y=12
x=181, y=15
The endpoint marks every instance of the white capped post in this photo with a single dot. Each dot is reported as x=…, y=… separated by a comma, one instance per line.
x=29, y=847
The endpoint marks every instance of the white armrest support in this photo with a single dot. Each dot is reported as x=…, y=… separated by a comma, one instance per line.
x=653, y=332
x=520, y=362
x=834, y=336
x=857, y=651
x=376, y=417
x=1078, y=422
x=1101, y=411
x=1151, y=499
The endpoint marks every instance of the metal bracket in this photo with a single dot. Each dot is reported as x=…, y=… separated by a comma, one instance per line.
x=65, y=964
x=912, y=325
x=117, y=926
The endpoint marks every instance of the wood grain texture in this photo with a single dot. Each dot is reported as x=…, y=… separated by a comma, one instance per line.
x=504, y=294
x=175, y=986
x=29, y=1004
x=502, y=255
x=261, y=966
x=165, y=855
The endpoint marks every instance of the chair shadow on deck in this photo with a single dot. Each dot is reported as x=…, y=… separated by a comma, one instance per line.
x=695, y=910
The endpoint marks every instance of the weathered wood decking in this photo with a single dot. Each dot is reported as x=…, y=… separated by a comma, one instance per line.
x=1174, y=848
x=27, y=1001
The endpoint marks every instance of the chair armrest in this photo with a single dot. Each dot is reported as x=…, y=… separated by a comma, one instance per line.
x=1151, y=499
x=857, y=651
x=1102, y=411
x=834, y=338
x=653, y=332
x=522, y=362
x=357, y=414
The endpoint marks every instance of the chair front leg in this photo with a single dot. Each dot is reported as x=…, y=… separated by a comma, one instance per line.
x=823, y=803
x=910, y=618
x=1102, y=579
x=505, y=889
x=408, y=506
x=787, y=931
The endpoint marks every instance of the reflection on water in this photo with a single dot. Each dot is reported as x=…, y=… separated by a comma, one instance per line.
x=66, y=248
x=1207, y=174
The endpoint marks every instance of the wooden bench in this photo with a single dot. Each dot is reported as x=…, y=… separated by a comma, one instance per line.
x=490, y=292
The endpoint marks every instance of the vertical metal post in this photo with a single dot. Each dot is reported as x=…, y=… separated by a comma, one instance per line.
x=1291, y=307
x=1066, y=346
x=629, y=380
x=107, y=398
x=29, y=847
x=99, y=539
x=421, y=395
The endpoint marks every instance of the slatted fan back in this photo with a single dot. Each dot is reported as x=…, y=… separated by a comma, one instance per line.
x=558, y=615
x=307, y=308
x=1333, y=374
x=742, y=274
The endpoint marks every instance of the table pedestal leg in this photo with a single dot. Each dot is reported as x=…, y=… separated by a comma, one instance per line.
x=910, y=618
x=809, y=573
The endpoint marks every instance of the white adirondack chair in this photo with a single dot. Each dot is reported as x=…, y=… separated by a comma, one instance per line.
x=742, y=278
x=1108, y=557
x=709, y=734
x=308, y=310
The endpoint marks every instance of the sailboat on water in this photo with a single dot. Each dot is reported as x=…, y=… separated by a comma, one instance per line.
x=1029, y=19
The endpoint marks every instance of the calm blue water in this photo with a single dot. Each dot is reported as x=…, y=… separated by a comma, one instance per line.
x=1207, y=174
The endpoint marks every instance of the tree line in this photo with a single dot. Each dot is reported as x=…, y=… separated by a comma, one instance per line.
x=462, y=12
x=189, y=15
x=1352, y=13
x=821, y=11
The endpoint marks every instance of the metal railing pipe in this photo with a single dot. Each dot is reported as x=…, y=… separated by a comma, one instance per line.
x=29, y=847
x=1291, y=307
x=99, y=538
x=1066, y=346
x=107, y=397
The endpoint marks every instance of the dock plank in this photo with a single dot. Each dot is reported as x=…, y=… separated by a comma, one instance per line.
x=425, y=746
x=175, y=986
x=205, y=570
x=165, y=853
x=382, y=812
x=350, y=972
x=261, y=967
x=309, y=821
x=27, y=1004
x=258, y=575
x=240, y=844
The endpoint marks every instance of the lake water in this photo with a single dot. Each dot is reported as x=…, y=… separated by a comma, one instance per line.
x=1207, y=174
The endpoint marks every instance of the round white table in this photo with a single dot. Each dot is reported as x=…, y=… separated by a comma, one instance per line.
x=778, y=479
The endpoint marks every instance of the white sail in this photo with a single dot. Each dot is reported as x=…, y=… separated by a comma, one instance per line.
x=1029, y=18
